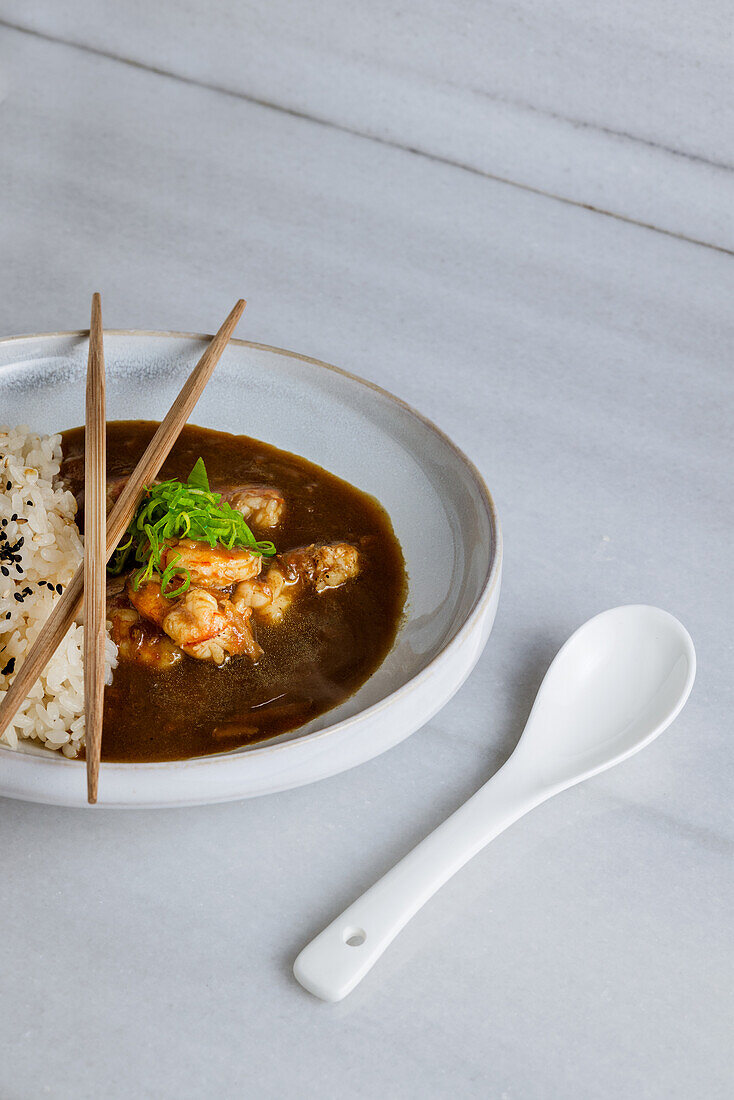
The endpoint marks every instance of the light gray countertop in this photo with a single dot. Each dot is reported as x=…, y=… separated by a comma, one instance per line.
x=585, y=365
x=624, y=107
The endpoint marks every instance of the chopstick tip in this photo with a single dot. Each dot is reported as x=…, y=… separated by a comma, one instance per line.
x=95, y=325
x=92, y=777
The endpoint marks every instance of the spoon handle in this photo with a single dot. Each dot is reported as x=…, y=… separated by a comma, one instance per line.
x=340, y=956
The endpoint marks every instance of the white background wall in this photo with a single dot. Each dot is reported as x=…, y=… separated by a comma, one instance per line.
x=626, y=107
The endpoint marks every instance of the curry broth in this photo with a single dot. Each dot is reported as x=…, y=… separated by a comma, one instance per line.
x=326, y=646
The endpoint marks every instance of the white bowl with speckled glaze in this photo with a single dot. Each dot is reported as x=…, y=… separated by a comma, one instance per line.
x=441, y=510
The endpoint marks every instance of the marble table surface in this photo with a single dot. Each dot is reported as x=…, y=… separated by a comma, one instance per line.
x=584, y=364
x=623, y=107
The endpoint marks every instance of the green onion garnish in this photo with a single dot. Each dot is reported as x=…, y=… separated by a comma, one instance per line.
x=178, y=510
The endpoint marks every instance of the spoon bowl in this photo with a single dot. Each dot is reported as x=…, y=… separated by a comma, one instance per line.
x=619, y=680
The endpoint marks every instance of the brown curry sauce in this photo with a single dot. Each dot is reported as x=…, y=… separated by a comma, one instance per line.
x=326, y=646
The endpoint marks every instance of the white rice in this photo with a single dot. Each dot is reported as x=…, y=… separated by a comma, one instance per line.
x=33, y=509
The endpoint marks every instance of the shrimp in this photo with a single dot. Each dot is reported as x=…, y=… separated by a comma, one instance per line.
x=268, y=597
x=205, y=625
x=211, y=629
x=212, y=568
x=261, y=505
x=138, y=640
x=321, y=567
x=149, y=601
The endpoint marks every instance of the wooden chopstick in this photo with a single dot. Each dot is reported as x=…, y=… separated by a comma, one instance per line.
x=95, y=522
x=68, y=607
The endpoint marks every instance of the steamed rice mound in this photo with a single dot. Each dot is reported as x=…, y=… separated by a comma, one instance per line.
x=40, y=549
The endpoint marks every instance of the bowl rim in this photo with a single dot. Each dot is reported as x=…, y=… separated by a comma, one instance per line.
x=473, y=617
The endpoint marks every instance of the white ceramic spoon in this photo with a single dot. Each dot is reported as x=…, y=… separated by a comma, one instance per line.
x=613, y=687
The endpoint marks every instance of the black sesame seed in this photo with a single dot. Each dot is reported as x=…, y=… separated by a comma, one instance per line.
x=7, y=614
x=59, y=589
x=5, y=523
x=18, y=597
x=5, y=571
x=29, y=503
x=14, y=516
x=10, y=667
x=19, y=568
x=9, y=486
x=20, y=542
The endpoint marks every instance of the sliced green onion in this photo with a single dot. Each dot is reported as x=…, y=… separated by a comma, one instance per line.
x=174, y=510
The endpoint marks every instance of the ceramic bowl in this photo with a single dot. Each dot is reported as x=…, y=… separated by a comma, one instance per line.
x=441, y=509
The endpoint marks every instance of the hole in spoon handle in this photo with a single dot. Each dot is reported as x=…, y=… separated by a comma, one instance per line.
x=339, y=957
